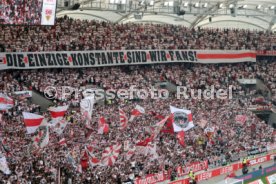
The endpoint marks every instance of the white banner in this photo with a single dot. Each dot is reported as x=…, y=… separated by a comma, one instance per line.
x=34, y=60
x=48, y=13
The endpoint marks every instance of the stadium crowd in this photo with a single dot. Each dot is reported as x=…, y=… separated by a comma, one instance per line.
x=230, y=138
x=69, y=34
x=20, y=12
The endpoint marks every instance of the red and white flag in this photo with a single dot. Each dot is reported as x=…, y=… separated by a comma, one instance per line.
x=241, y=119
x=182, y=119
x=32, y=121
x=110, y=154
x=41, y=137
x=93, y=160
x=59, y=111
x=62, y=141
x=103, y=127
x=146, y=141
x=181, y=138
x=158, y=127
x=123, y=119
x=5, y=102
x=136, y=112
x=89, y=150
x=60, y=126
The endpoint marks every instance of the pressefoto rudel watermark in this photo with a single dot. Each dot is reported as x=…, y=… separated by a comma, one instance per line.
x=182, y=92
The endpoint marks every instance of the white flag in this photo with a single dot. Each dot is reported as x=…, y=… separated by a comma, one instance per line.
x=86, y=106
x=4, y=166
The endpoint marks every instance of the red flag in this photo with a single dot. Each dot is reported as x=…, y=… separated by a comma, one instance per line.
x=181, y=138
x=84, y=161
x=168, y=128
x=103, y=127
x=146, y=141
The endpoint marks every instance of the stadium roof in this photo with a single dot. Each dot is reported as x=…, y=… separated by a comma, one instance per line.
x=247, y=14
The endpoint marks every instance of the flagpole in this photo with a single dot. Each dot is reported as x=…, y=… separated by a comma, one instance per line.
x=58, y=178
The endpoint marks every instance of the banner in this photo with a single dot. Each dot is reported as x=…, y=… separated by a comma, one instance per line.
x=24, y=94
x=271, y=146
x=152, y=178
x=48, y=14
x=195, y=167
x=80, y=59
x=225, y=170
x=266, y=53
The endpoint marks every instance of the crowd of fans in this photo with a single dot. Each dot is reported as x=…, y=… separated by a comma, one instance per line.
x=18, y=12
x=230, y=139
x=69, y=34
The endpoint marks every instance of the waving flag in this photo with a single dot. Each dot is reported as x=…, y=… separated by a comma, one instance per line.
x=181, y=138
x=158, y=127
x=123, y=119
x=86, y=106
x=41, y=138
x=146, y=141
x=110, y=154
x=136, y=112
x=168, y=128
x=103, y=127
x=32, y=121
x=93, y=160
x=3, y=165
x=5, y=102
x=60, y=126
x=182, y=119
x=59, y=111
